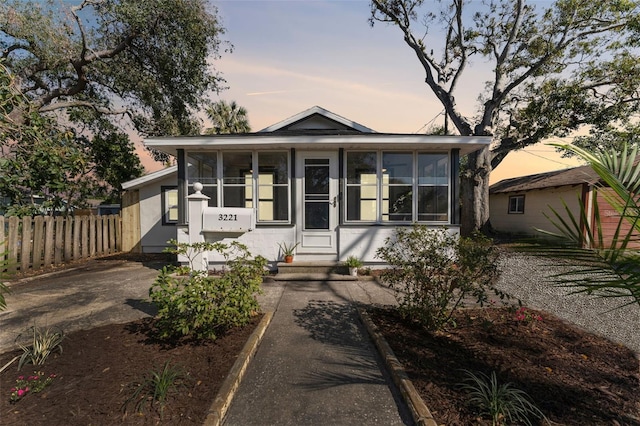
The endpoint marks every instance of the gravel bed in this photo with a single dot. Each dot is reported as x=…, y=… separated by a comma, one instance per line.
x=528, y=278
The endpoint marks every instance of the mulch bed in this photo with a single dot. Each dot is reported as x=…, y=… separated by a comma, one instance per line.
x=574, y=377
x=98, y=369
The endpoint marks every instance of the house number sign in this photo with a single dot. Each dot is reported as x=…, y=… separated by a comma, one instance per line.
x=228, y=219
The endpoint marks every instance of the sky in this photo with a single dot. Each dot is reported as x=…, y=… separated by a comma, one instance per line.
x=289, y=55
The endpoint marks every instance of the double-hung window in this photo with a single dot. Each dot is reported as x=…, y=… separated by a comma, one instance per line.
x=397, y=187
x=516, y=204
x=170, y=203
x=247, y=179
x=203, y=168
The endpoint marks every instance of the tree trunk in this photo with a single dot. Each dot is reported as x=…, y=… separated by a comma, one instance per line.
x=474, y=193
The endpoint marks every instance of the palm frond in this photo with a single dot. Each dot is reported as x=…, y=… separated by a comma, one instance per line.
x=600, y=267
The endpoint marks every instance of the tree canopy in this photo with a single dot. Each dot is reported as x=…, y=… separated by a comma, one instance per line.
x=100, y=70
x=552, y=71
x=227, y=118
x=48, y=167
x=147, y=59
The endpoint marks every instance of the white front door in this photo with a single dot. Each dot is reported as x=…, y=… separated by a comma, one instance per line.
x=318, y=202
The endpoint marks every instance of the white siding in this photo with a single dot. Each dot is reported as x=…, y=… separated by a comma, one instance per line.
x=153, y=234
x=536, y=203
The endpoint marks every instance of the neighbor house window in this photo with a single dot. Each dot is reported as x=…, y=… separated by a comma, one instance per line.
x=397, y=187
x=516, y=204
x=170, y=205
x=246, y=179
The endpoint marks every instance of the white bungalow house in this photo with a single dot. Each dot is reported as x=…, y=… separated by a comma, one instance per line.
x=318, y=179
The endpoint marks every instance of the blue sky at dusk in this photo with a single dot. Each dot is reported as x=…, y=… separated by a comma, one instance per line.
x=291, y=55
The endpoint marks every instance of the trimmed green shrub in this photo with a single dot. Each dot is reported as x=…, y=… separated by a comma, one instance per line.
x=432, y=272
x=201, y=306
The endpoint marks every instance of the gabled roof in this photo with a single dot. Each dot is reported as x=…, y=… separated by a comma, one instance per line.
x=317, y=128
x=556, y=178
x=143, y=180
x=317, y=118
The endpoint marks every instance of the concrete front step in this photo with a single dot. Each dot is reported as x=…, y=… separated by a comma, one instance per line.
x=315, y=267
x=312, y=277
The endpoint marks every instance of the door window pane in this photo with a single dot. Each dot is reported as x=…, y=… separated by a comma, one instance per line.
x=316, y=215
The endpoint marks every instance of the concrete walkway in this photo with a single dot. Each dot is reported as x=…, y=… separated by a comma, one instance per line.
x=316, y=364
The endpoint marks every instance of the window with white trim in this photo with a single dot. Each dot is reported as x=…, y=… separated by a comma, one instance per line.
x=381, y=186
x=516, y=204
x=170, y=205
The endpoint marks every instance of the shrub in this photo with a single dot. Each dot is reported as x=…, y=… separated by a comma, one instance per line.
x=433, y=271
x=201, y=306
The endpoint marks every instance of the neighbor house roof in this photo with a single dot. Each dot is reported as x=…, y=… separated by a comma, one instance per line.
x=573, y=176
x=143, y=180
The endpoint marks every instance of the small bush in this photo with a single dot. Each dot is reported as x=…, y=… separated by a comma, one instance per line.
x=156, y=388
x=43, y=343
x=504, y=403
x=433, y=271
x=202, y=307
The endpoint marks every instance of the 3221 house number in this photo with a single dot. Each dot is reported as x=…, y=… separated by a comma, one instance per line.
x=227, y=217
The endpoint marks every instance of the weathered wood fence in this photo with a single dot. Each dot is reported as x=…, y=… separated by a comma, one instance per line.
x=30, y=243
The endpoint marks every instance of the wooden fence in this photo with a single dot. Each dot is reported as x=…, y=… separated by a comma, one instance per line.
x=31, y=243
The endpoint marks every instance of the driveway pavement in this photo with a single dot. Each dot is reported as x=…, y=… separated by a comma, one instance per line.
x=97, y=292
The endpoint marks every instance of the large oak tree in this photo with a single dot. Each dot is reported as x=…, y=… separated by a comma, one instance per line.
x=144, y=60
x=552, y=71
x=77, y=80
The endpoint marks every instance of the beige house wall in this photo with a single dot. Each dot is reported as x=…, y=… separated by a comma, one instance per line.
x=536, y=203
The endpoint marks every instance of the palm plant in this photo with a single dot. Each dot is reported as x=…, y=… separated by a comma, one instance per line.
x=607, y=268
x=227, y=118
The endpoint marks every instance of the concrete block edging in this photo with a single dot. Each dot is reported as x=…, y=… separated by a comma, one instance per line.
x=225, y=395
x=419, y=410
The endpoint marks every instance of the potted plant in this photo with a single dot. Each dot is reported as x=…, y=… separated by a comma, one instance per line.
x=287, y=251
x=353, y=263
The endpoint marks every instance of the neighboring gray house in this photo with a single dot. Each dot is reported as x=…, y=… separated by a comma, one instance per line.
x=332, y=185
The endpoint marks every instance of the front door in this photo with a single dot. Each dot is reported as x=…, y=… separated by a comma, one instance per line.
x=318, y=209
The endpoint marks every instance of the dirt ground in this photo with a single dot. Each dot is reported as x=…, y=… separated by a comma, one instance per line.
x=98, y=370
x=574, y=377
